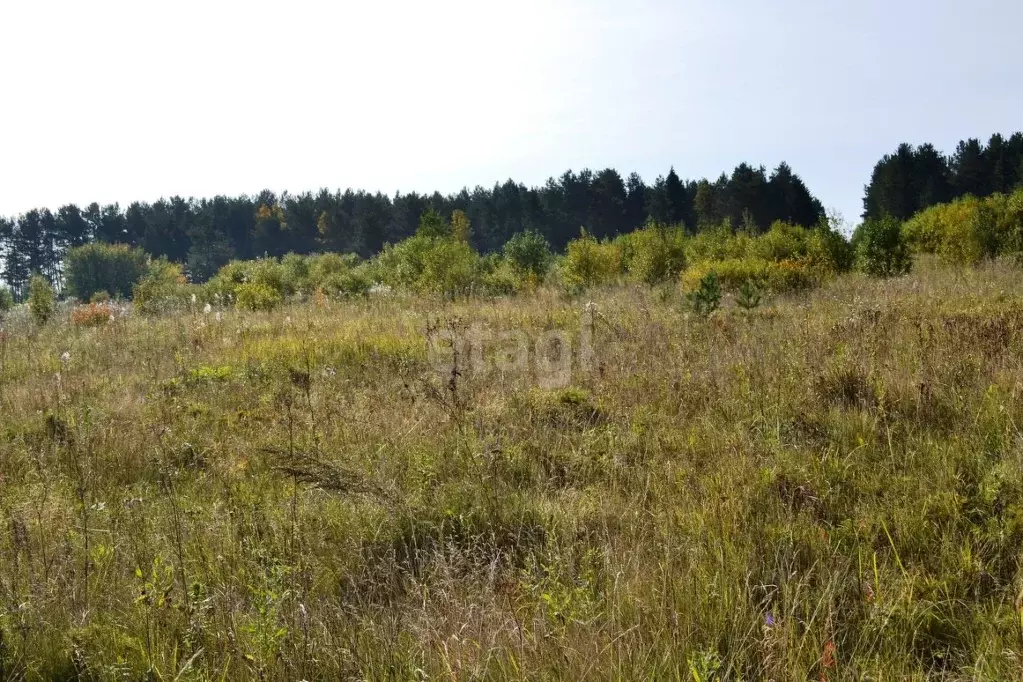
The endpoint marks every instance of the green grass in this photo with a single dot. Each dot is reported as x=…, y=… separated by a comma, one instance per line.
x=827, y=487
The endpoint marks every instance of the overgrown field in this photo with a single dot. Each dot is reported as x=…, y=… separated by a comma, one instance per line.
x=825, y=487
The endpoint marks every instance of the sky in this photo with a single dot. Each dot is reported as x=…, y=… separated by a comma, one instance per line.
x=121, y=101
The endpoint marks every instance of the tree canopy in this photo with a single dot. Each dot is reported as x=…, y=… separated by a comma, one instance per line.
x=915, y=178
x=204, y=234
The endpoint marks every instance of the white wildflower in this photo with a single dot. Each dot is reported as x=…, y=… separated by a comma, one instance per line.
x=218, y=316
x=193, y=299
x=65, y=357
x=207, y=309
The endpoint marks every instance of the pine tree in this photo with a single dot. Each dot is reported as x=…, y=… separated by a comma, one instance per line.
x=677, y=201
x=893, y=188
x=970, y=171
x=635, y=202
x=790, y=200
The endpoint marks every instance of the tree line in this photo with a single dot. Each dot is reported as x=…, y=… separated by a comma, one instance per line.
x=915, y=178
x=204, y=234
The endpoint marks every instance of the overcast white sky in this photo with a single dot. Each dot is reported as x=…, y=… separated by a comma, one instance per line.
x=115, y=100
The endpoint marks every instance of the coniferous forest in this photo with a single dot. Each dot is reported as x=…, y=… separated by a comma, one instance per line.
x=915, y=178
x=205, y=234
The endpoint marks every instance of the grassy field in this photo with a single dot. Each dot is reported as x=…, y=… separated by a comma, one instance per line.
x=827, y=487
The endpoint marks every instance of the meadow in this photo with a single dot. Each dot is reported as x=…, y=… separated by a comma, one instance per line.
x=824, y=487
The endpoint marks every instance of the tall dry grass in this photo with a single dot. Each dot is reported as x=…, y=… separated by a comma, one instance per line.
x=828, y=487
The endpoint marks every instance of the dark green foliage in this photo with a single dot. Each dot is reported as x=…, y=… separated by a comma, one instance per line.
x=529, y=253
x=111, y=268
x=206, y=234
x=881, y=249
x=790, y=200
x=707, y=296
x=432, y=224
x=41, y=299
x=348, y=284
x=748, y=296
x=6, y=299
x=913, y=179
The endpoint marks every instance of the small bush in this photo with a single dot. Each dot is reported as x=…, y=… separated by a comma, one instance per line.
x=100, y=297
x=450, y=268
x=968, y=230
x=706, y=298
x=6, y=299
x=296, y=274
x=881, y=250
x=283, y=279
x=529, y=254
x=783, y=241
x=827, y=251
x=92, y=315
x=655, y=253
x=322, y=266
x=748, y=297
x=41, y=299
x=430, y=264
x=347, y=284
x=505, y=280
x=257, y=296
x=717, y=243
x=163, y=287
x=734, y=273
x=588, y=262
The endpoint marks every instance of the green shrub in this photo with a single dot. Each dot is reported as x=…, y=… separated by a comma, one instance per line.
x=41, y=299
x=706, y=297
x=163, y=287
x=266, y=272
x=450, y=268
x=401, y=265
x=828, y=250
x=964, y=231
x=969, y=230
x=588, y=262
x=352, y=283
x=654, y=254
x=321, y=266
x=6, y=299
x=295, y=273
x=504, y=280
x=529, y=254
x=881, y=250
x=734, y=273
x=823, y=248
x=257, y=296
x=717, y=243
x=1010, y=222
x=95, y=267
x=429, y=264
x=783, y=241
x=748, y=297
